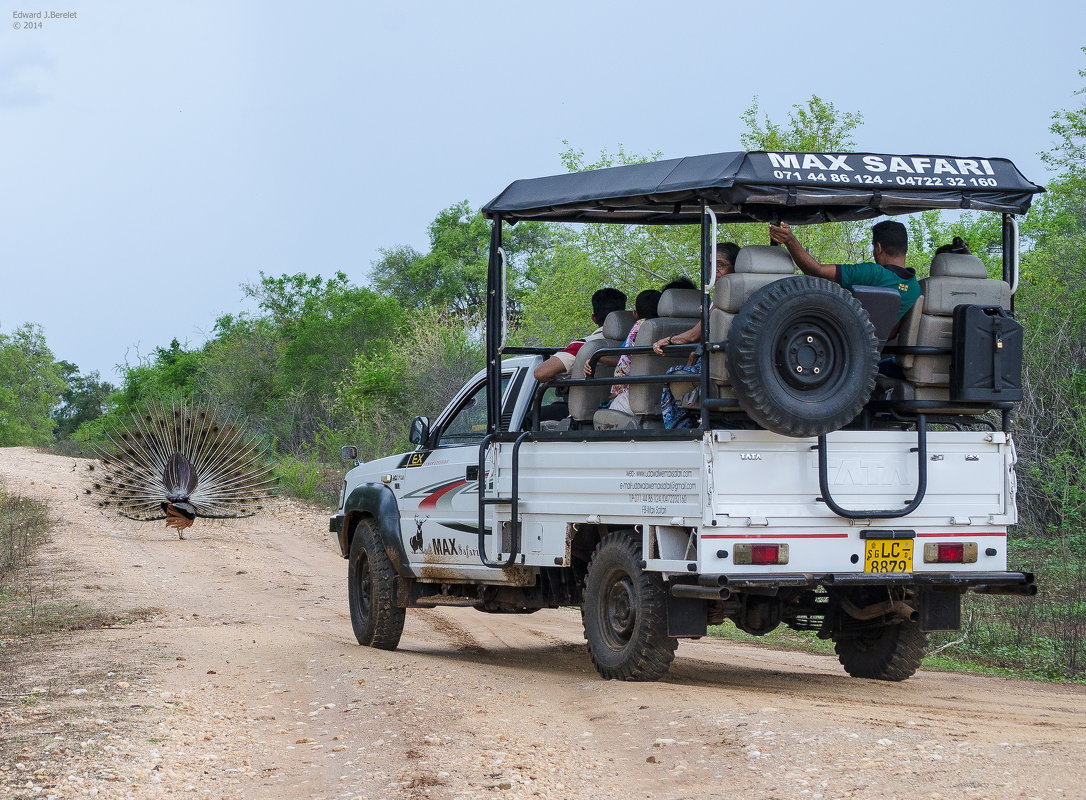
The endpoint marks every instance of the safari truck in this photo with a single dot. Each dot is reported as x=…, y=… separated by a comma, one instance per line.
x=813, y=492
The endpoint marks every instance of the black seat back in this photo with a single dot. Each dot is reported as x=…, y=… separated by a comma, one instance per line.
x=882, y=305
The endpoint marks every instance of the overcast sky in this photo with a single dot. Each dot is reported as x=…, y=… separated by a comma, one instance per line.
x=158, y=154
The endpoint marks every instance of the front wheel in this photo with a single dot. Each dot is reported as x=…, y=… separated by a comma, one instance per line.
x=376, y=620
x=892, y=653
x=624, y=612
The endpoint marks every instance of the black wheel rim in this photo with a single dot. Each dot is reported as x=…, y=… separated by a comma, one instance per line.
x=808, y=356
x=618, y=610
x=365, y=587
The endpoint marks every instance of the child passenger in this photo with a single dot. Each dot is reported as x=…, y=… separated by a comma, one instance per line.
x=645, y=307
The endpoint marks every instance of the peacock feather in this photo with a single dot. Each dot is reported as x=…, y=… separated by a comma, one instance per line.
x=178, y=461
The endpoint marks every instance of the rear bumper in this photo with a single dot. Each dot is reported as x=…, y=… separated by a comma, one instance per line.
x=1013, y=583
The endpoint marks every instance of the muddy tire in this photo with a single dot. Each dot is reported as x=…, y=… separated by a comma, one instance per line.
x=892, y=653
x=376, y=620
x=802, y=356
x=624, y=613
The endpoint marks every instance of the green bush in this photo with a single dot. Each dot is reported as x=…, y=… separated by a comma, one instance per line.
x=308, y=479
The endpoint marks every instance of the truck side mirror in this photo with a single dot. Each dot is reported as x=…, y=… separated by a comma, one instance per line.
x=348, y=453
x=420, y=430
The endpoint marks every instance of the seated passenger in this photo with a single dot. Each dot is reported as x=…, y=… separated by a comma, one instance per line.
x=645, y=307
x=889, y=244
x=682, y=282
x=604, y=302
x=726, y=253
x=958, y=246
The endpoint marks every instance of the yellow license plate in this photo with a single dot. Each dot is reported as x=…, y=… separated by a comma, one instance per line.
x=889, y=555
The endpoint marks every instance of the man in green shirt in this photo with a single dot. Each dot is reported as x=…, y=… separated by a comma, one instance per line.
x=889, y=243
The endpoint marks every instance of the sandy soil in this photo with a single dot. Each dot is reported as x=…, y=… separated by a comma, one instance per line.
x=247, y=682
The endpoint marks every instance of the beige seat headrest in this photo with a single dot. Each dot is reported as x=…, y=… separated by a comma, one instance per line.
x=957, y=265
x=617, y=325
x=680, y=303
x=764, y=258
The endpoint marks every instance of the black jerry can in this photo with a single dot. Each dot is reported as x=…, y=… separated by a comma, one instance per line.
x=986, y=355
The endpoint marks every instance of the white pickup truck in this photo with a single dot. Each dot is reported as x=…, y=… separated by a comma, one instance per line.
x=865, y=523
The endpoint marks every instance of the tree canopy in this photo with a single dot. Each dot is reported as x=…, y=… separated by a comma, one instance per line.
x=31, y=384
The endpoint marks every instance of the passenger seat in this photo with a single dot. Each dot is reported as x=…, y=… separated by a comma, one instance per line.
x=679, y=309
x=584, y=400
x=956, y=279
x=755, y=266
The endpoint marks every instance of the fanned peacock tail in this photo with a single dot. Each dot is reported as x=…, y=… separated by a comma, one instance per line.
x=178, y=461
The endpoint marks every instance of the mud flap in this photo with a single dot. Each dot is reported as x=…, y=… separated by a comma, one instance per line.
x=940, y=611
x=686, y=616
x=401, y=592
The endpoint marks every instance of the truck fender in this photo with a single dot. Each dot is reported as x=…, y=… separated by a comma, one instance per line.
x=377, y=500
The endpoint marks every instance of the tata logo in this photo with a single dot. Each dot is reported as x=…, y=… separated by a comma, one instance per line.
x=862, y=472
x=750, y=456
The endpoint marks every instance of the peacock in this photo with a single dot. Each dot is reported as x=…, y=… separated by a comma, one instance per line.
x=177, y=461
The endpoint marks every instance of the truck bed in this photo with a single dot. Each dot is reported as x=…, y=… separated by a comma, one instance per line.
x=754, y=486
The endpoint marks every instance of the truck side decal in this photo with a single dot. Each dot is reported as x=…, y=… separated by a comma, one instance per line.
x=441, y=494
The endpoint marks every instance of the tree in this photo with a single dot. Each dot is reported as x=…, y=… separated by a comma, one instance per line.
x=279, y=369
x=416, y=373
x=637, y=257
x=929, y=230
x=85, y=398
x=814, y=127
x=168, y=372
x=452, y=274
x=1052, y=307
x=329, y=328
x=30, y=387
x=240, y=367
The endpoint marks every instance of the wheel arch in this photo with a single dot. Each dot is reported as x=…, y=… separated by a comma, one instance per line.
x=377, y=502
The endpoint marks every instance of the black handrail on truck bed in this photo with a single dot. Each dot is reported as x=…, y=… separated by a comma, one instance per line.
x=513, y=500
x=921, y=480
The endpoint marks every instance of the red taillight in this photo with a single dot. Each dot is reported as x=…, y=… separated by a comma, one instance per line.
x=765, y=554
x=760, y=554
x=952, y=553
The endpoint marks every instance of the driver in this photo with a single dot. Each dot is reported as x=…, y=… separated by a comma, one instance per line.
x=889, y=243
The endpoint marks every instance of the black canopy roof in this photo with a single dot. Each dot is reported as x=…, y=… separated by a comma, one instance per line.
x=799, y=188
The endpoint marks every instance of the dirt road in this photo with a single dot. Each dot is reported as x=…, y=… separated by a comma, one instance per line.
x=245, y=681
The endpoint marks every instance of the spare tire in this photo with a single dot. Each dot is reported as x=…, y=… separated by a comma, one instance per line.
x=802, y=356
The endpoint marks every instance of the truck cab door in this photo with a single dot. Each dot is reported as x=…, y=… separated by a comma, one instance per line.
x=439, y=495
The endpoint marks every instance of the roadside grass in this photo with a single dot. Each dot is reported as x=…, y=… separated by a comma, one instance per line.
x=780, y=639
x=985, y=645
x=309, y=479
x=70, y=448
x=29, y=607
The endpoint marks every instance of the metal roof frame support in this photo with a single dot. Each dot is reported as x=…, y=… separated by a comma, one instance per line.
x=494, y=326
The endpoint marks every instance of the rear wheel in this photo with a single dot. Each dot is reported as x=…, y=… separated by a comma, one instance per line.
x=376, y=620
x=892, y=653
x=624, y=613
